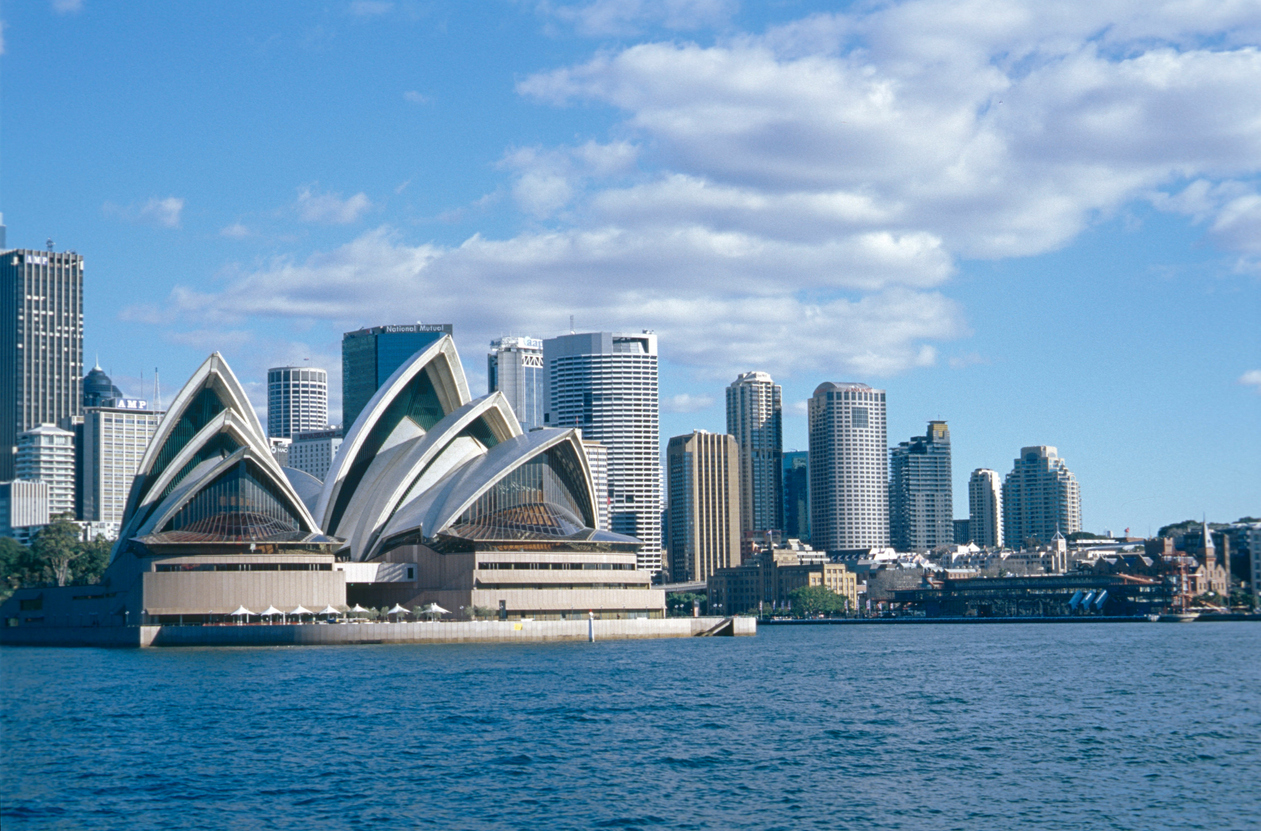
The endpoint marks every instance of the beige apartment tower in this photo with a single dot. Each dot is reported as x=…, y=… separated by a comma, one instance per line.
x=703, y=489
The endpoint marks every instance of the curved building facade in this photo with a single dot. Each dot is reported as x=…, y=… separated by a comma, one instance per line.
x=494, y=520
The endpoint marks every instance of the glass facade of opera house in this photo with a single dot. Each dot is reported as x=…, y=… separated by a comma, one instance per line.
x=434, y=497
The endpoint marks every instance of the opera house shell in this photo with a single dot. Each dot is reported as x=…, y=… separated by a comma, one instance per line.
x=434, y=497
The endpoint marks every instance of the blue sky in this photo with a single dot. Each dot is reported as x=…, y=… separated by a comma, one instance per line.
x=1040, y=222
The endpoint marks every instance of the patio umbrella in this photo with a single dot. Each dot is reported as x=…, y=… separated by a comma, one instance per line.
x=270, y=611
x=241, y=611
x=434, y=610
x=330, y=611
x=398, y=610
x=300, y=611
x=358, y=610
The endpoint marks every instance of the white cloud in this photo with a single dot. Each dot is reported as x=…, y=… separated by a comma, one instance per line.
x=159, y=212
x=620, y=279
x=686, y=403
x=67, y=6
x=330, y=208
x=798, y=199
x=1001, y=138
x=236, y=230
x=621, y=17
x=1252, y=378
x=414, y=97
x=370, y=8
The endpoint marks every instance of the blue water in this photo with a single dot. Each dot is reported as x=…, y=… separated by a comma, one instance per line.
x=1131, y=726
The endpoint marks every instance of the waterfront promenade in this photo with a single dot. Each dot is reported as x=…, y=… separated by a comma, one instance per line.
x=312, y=634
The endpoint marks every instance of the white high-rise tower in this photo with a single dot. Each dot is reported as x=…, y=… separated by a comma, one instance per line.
x=1040, y=498
x=606, y=384
x=755, y=419
x=849, y=469
x=297, y=400
x=985, y=508
x=515, y=368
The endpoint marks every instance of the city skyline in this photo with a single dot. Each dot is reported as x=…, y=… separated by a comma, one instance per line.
x=536, y=186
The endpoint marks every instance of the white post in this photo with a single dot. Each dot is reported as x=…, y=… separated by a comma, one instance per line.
x=591, y=627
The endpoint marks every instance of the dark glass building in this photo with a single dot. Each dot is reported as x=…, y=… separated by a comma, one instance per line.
x=797, y=495
x=370, y=356
x=41, y=344
x=921, y=509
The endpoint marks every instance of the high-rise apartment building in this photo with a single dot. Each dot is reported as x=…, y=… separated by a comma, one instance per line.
x=849, y=468
x=606, y=384
x=703, y=489
x=23, y=509
x=46, y=454
x=115, y=438
x=370, y=356
x=41, y=344
x=921, y=508
x=797, y=495
x=985, y=508
x=598, y=461
x=1040, y=497
x=297, y=400
x=514, y=367
x=755, y=419
x=313, y=451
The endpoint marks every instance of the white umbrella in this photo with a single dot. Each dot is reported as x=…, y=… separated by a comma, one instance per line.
x=270, y=611
x=434, y=610
x=359, y=610
x=398, y=610
x=241, y=611
x=329, y=610
x=302, y=610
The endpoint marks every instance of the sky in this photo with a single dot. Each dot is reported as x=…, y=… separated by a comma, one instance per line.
x=1040, y=222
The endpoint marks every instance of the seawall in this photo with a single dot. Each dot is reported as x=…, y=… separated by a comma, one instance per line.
x=480, y=631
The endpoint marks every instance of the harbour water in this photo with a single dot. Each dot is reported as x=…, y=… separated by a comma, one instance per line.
x=1141, y=726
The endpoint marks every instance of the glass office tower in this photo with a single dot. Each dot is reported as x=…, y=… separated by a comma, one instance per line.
x=370, y=356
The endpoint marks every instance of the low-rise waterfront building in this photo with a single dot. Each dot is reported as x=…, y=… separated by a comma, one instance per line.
x=764, y=583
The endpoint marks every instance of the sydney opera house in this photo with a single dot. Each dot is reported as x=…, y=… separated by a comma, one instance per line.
x=434, y=497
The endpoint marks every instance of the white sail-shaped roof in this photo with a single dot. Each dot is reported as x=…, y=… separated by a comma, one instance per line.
x=441, y=505
x=406, y=469
x=413, y=400
x=210, y=428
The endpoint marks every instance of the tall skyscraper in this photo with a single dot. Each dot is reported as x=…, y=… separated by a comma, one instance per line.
x=115, y=437
x=849, y=468
x=921, y=510
x=985, y=508
x=703, y=486
x=515, y=368
x=46, y=454
x=1040, y=497
x=370, y=356
x=606, y=384
x=297, y=400
x=797, y=495
x=755, y=419
x=41, y=344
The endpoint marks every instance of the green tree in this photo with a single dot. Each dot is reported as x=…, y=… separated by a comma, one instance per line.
x=14, y=560
x=808, y=601
x=91, y=565
x=55, y=548
x=680, y=605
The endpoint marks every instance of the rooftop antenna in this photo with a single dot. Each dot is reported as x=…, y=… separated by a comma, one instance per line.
x=157, y=391
x=571, y=320
x=50, y=245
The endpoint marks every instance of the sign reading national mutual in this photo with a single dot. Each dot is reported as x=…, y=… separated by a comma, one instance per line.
x=416, y=327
